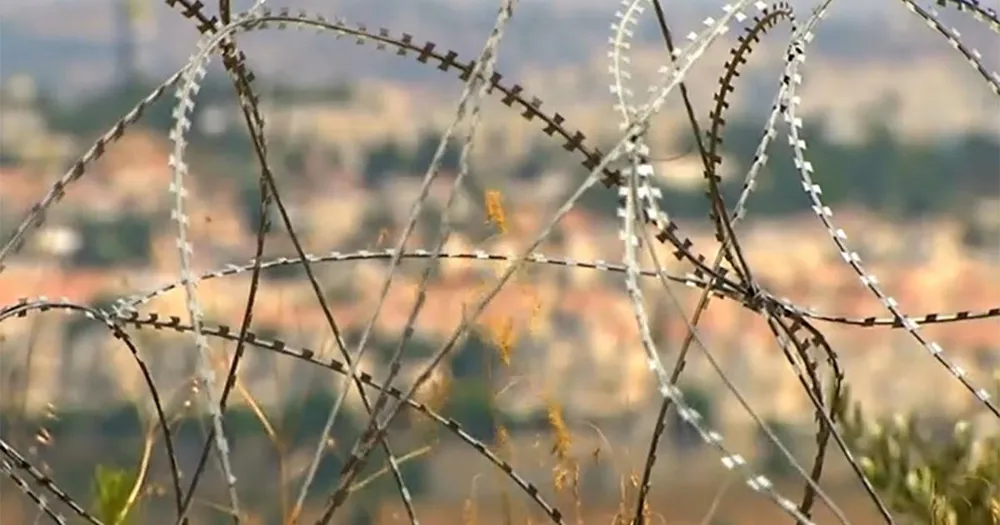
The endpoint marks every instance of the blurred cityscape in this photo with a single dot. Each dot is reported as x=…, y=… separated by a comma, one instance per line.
x=917, y=190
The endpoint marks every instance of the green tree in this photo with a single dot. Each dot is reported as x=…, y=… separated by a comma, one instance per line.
x=124, y=239
x=951, y=481
x=382, y=160
x=112, y=487
x=700, y=400
x=471, y=404
x=474, y=359
x=250, y=202
x=776, y=464
x=426, y=147
x=95, y=113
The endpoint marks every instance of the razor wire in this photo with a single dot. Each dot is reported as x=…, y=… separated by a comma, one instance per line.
x=627, y=169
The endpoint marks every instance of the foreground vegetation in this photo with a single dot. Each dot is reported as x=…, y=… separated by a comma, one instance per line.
x=925, y=476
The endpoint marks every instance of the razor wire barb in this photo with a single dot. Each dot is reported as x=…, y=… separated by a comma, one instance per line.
x=628, y=169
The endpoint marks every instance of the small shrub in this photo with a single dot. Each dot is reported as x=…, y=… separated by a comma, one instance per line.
x=953, y=481
x=112, y=488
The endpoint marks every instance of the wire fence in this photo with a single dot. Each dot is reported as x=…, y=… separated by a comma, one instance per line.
x=626, y=169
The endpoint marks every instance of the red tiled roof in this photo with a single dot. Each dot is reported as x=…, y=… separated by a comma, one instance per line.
x=83, y=286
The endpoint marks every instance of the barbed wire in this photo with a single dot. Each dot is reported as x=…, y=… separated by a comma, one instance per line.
x=643, y=221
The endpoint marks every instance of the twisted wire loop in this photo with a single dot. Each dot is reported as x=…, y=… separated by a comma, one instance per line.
x=628, y=169
x=269, y=193
x=13, y=461
x=39, y=499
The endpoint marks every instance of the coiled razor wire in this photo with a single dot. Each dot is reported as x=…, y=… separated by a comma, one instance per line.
x=627, y=168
